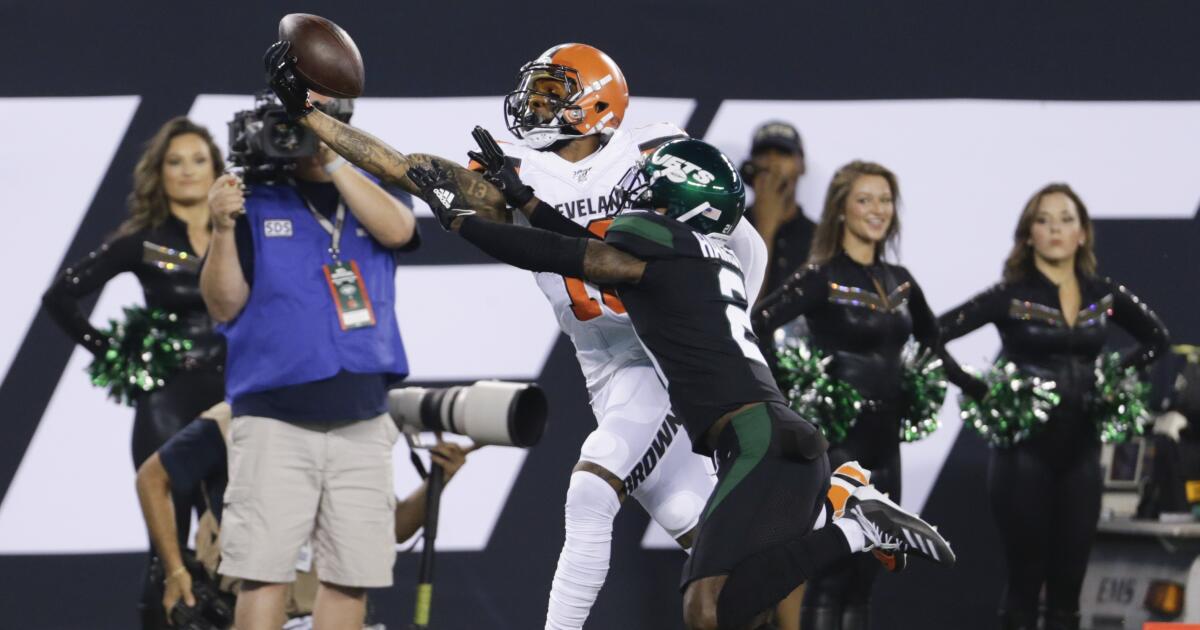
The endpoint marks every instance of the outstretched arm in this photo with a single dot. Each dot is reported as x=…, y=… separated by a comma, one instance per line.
x=526, y=247
x=389, y=165
x=363, y=149
x=536, y=249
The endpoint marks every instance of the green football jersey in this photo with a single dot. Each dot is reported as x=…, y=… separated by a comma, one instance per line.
x=690, y=312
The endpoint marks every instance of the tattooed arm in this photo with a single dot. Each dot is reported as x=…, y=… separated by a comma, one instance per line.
x=363, y=149
x=606, y=265
x=391, y=166
x=536, y=249
x=529, y=248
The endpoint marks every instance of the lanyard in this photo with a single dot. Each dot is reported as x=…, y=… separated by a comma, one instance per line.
x=333, y=229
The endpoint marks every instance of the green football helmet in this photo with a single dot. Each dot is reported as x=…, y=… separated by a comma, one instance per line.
x=693, y=180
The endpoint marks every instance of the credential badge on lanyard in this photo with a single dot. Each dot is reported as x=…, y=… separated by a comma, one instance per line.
x=343, y=276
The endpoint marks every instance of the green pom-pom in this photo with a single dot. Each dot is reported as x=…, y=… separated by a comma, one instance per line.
x=1015, y=407
x=144, y=351
x=924, y=386
x=827, y=402
x=1122, y=408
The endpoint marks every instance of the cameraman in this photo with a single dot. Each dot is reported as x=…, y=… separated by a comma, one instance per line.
x=195, y=460
x=305, y=289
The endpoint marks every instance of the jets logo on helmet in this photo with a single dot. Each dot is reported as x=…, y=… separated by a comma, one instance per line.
x=693, y=180
x=590, y=98
x=679, y=170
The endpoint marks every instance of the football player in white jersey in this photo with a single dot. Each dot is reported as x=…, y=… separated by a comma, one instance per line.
x=567, y=112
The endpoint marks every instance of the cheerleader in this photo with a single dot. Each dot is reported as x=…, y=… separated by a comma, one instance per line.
x=1053, y=312
x=162, y=242
x=861, y=311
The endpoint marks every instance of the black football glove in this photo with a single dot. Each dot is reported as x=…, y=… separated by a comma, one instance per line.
x=499, y=171
x=440, y=191
x=281, y=77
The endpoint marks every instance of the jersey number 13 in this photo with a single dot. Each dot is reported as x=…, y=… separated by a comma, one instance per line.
x=583, y=303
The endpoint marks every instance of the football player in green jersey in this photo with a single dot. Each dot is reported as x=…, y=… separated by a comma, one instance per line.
x=763, y=530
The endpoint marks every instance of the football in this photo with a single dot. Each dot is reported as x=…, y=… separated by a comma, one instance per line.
x=326, y=58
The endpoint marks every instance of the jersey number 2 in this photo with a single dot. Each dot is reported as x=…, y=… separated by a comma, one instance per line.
x=734, y=288
x=583, y=304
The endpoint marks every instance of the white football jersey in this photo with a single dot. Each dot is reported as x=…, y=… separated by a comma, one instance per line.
x=595, y=320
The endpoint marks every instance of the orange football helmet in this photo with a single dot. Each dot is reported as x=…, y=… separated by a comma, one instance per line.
x=594, y=100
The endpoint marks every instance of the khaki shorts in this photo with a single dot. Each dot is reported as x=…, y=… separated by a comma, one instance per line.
x=291, y=483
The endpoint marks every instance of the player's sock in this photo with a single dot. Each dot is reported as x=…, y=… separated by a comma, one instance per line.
x=823, y=519
x=761, y=581
x=583, y=564
x=853, y=533
x=842, y=483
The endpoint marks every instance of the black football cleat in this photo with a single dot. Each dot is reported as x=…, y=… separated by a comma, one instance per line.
x=845, y=480
x=890, y=529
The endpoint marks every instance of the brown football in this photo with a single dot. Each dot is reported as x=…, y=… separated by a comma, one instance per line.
x=326, y=58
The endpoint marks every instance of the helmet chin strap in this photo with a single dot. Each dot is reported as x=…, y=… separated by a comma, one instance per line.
x=543, y=138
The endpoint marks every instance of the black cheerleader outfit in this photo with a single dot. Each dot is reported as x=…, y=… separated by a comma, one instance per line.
x=861, y=316
x=1045, y=491
x=169, y=271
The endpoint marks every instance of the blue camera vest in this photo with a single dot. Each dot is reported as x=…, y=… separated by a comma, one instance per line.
x=288, y=332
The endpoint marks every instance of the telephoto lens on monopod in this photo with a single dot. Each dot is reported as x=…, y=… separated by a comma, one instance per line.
x=488, y=412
